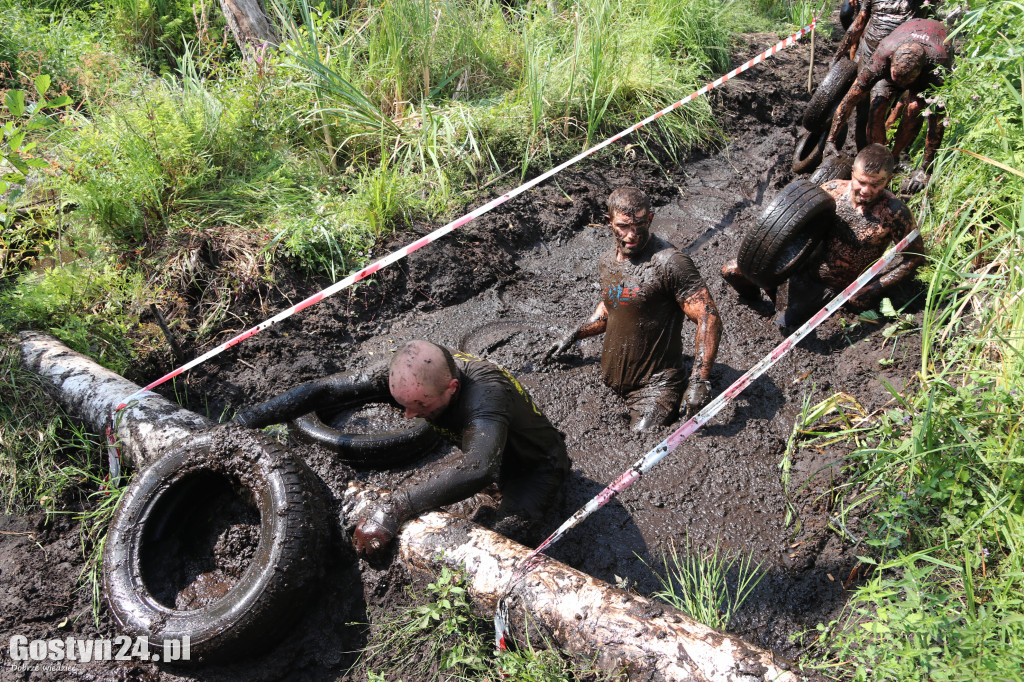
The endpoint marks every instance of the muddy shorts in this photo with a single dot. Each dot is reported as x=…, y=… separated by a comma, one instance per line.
x=657, y=402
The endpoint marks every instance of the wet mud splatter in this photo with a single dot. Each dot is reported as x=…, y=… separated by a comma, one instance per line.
x=504, y=288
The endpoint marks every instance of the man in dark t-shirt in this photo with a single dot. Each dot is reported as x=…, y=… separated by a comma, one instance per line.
x=911, y=58
x=648, y=287
x=478, y=406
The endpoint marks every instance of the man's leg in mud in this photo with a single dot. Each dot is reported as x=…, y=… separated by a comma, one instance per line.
x=860, y=130
x=910, y=125
x=743, y=286
x=806, y=296
x=527, y=496
x=657, y=403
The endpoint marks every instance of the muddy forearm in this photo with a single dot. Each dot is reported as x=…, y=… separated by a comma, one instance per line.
x=850, y=40
x=595, y=324
x=308, y=396
x=933, y=138
x=846, y=106
x=702, y=310
x=483, y=443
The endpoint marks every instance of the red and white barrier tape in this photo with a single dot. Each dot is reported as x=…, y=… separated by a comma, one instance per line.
x=633, y=474
x=455, y=224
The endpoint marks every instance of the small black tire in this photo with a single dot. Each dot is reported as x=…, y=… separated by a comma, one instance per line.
x=829, y=94
x=847, y=13
x=786, y=233
x=837, y=168
x=169, y=504
x=381, y=450
x=811, y=148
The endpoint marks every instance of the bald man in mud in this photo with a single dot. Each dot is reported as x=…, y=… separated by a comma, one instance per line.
x=476, y=405
x=868, y=219
x=912, y=58
x=649, y=287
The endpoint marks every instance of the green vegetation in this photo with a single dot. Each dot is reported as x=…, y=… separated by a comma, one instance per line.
x=709, y=587
x=439, y=638
x=941, y=484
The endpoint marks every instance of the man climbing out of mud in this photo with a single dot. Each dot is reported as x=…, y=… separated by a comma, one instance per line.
x=875, y=20
x=648, y=287
x=477, y=405
x=911, y=58
x=868, y=218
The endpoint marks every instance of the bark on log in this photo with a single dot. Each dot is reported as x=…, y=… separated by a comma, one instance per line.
x=623, y=631
x=249, y=24
x=148, y=427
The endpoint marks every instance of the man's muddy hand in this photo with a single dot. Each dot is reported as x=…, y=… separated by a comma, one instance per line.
x=558, y=347
x=830, y=150
x=698, y=394
x=916, y=182
x=376, y=529
x=865, y=298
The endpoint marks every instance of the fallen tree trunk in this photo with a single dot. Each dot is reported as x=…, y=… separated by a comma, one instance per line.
x=621, y=630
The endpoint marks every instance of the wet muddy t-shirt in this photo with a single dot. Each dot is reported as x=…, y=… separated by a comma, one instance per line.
x=488, y=392
x=644, y=295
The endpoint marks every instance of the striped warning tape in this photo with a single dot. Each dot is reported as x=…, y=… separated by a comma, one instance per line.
x=456, y=224
x=660, y=451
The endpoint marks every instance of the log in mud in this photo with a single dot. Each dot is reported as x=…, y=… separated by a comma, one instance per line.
x=620, y=630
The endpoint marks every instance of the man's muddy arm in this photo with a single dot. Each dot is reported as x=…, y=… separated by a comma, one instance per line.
x=933, y=138
x=595, y=324
x=700, y=308
x=858, y=91
x=304, y=398
x=911, y=260
x=482, y=444
x=850, y=41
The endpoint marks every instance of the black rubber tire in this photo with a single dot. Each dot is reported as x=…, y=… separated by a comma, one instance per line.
x=829, y=94
x=847, y=13
x=367, y=451
x=170, y=500
x=811, y=148
x=786, y=233
x=840, y=168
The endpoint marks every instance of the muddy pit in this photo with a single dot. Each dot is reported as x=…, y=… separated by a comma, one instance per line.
x=503, y=288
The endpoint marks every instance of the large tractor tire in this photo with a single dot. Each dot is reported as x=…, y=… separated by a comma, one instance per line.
x=786, y=233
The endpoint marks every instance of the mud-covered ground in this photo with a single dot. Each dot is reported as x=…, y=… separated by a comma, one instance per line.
x=502, y=288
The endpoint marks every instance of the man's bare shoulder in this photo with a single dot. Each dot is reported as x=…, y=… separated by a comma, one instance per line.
x=836, y=188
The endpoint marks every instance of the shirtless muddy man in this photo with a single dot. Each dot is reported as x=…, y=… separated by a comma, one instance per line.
x=868, y=219
x=648, y=287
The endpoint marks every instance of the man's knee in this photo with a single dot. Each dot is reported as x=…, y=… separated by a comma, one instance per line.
x=738, y=281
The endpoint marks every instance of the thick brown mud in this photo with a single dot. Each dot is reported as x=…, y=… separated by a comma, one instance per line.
x=503, y=288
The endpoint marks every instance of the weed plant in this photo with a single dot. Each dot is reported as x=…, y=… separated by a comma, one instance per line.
x=440, y=638
x=710, y=587
x=943, y=596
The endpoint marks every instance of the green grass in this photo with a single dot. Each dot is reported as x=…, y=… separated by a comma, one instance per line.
x=439, y=637
x=709, y=587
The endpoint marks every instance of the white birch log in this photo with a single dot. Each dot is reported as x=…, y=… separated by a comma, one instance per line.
x=619, y=629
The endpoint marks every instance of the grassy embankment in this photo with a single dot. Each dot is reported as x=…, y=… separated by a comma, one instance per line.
x=172, y=170
x=942, y=482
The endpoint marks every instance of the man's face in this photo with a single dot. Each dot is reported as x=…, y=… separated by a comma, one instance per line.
x=866, y=188
x=420, y=402
x=631, y=231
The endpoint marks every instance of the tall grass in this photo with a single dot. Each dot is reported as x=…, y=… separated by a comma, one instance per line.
x=946, y=478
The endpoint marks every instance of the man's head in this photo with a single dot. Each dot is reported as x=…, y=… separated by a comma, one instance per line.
x=872, y=170
x=629, y=215
x=422, y=378
x=907, y=62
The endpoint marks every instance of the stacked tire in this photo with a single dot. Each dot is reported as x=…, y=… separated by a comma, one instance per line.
x=818, y=116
